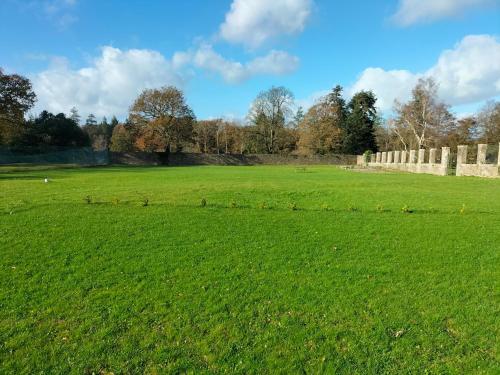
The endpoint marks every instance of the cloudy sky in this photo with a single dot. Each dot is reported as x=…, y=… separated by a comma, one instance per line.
x=98, y=55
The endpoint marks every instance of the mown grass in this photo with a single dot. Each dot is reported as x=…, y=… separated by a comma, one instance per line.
x=284, y=269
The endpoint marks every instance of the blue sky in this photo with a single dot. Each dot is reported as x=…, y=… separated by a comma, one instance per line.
x=98, y=55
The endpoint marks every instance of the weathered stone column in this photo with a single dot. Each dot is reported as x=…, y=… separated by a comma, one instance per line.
x=384, y=157
x=413, y=156
x=432, y=156
x=421, y=156
x=445, y=156
x=445, y=160
x=379, y=157
x=403, y=157
x=461, y=158
x=481, y=153
x=389, y=157
x=372, y=158
x=397, y=157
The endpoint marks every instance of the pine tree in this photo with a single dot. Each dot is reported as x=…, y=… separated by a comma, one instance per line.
x=91, y=120
x=74, y=115
x=298, y=118
x=359, y=130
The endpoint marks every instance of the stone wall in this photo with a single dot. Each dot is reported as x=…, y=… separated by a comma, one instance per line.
x=413, y=162
x=181, y=159
x=138, y=158
x=186, y=159
x=480, y=168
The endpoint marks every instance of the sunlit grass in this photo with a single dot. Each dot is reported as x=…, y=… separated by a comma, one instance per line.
x=247, y=269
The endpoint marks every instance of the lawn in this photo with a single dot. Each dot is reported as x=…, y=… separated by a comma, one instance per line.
x=284, y=270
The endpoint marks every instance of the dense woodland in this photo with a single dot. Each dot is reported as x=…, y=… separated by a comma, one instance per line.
x=160, y=120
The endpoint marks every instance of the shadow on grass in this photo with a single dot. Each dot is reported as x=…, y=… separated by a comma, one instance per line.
x=18, y=177
x=139, y=204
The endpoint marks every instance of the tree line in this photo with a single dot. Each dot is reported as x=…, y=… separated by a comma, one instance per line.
x=160, y=120
x=425, y=121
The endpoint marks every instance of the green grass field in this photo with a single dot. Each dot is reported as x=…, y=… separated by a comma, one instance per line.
x=285, y=270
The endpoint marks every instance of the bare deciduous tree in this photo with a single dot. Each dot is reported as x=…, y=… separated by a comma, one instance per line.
x=269, y=113
x=424, y=116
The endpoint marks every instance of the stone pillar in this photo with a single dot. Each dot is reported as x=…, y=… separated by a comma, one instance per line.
x=379, y=157
x=421, y=156
x=403, y=157
x=384, y=157
x=432, y=156
x=445, y=157
x=445, y=160
x=389, y=157
x=461, y=158
x=397, y=157
x=413, y=156
x=372, y=158
x=481, y=153
x=462, y=155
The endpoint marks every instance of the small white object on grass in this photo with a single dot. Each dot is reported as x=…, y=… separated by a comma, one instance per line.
x=46, y=180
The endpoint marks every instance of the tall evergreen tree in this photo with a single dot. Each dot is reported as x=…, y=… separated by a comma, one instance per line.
x=338, y=107
x=359, y=129
x=74, y=115
x=91, y=120
x=114, y=122
x=298, y=117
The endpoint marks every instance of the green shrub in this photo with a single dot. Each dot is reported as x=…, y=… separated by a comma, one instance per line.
x=352, y=208
x=406, y=209
x=367, y=156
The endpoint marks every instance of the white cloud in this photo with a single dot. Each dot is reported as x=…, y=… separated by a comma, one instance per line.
x=274, y=63
x=415, y=11
x=471, y=71
x=61, y=12
x=466, y=74
x=106, y=87
x=114, y=79
x=388, y=85
x=253, y=22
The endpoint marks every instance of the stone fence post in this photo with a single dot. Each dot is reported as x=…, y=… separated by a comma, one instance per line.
x=397, y=157
x=379, y=157
x=481, y=153
x=389, y=157
x=461, y=158
x=432, y=156
x=445, y=157
x=421, y=156
x=413, y=156
x=403, y=157
x=462, y=155
x=384, y=157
